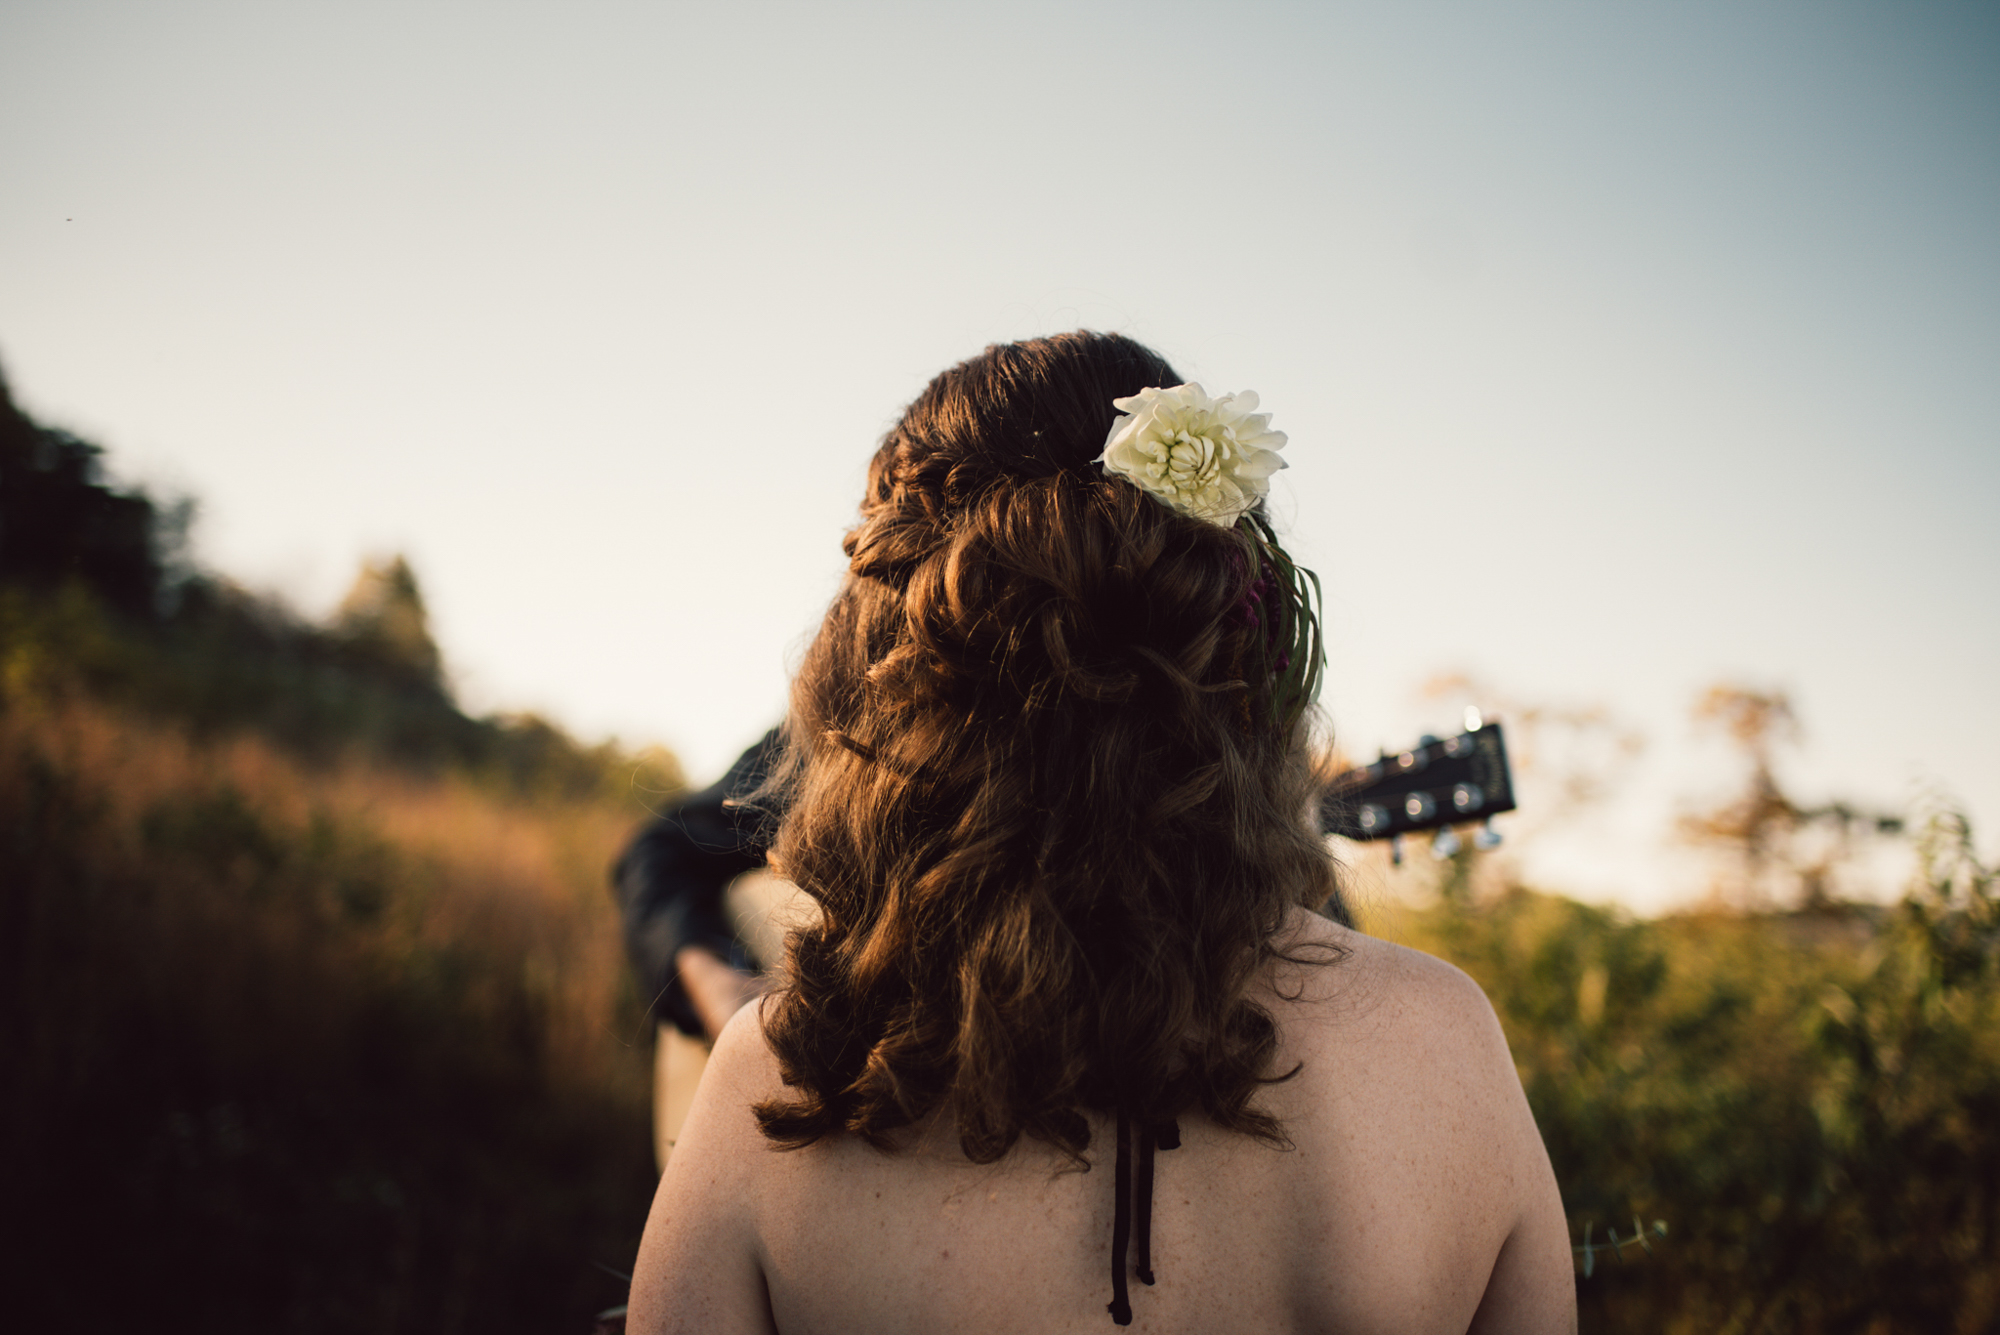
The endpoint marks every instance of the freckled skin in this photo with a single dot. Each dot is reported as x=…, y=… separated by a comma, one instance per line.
x=1416, y=1198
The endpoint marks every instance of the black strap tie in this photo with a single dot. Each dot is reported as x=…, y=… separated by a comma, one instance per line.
x=1161, y=1136
x=1121, y=1225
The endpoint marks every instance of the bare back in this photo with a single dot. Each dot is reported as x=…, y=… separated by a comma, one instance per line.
x=1416, y=1197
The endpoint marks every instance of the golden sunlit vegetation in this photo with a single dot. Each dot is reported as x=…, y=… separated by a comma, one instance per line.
x=314, y=1009
x=316, y=1018
x=338, y=1041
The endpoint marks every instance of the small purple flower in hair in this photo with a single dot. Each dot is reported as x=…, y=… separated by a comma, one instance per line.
x=1253, y=599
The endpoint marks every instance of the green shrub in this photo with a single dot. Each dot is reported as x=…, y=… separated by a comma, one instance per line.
x=1810, y=1100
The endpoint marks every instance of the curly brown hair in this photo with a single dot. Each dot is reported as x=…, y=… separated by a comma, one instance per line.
x=1034, y=786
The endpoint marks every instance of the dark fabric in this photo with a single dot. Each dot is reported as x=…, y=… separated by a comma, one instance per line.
x=670, y=881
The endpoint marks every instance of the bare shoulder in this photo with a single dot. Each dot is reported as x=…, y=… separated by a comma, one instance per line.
x=1334, y=985
x=743, y=1061
x=1404, y=1075
x=721, y=1147
x=700, y=1264
x=1399, y=1056
x=1387, y=1024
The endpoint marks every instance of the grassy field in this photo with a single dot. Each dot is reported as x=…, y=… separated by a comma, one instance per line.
x=339, y=1043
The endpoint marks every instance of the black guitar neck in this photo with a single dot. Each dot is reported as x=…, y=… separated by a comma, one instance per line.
x=1435, y=784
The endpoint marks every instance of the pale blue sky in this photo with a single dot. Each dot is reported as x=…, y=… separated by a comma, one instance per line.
x=1622, y=347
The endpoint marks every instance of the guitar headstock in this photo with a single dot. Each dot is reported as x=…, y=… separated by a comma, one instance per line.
x=1436, y=784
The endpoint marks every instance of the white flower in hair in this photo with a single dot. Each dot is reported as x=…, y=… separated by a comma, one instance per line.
x=1209, y=458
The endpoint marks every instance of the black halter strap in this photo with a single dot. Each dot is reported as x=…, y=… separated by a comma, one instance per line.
x=1121, y=1225
x=1164, y=1136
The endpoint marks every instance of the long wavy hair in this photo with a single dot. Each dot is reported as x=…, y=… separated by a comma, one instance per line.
x=1048, y=812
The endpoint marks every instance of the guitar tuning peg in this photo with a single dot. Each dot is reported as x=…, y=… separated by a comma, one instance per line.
x=1488, y=837
x=1396, y=851
x=1445, y=845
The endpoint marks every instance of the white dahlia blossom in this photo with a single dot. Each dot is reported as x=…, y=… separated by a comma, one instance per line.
x=1208, y=458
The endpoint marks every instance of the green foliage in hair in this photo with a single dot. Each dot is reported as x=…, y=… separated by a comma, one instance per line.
x=1294, y=652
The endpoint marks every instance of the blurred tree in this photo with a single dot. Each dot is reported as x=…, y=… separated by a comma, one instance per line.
x=98, y=596
x=1567, y=760
x=1574, y=755
x=1776, y=849
x=62, y=521
x=383, y=622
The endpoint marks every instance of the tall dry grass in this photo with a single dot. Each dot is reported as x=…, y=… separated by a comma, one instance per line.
x=307, y=1046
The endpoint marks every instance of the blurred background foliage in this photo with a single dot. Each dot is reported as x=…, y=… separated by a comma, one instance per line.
x=313, y=1007
x=315, y=1015
x=1809, y=1099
